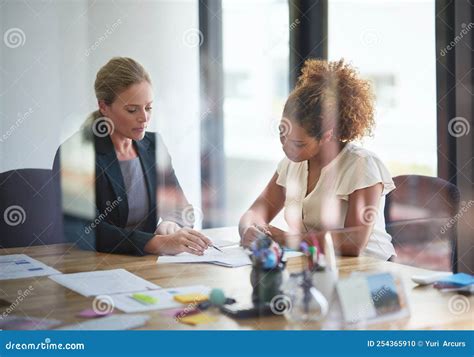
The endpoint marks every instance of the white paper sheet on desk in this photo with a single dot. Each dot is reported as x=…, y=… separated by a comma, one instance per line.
x=103, y=282
x=114, y=322
x=18, y=266
x=231, y=257
x=292, y=254
x=165, y=298
x=223, y=237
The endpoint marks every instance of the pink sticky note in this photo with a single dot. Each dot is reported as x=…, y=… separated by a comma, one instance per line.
x=171, y=312
x=179, y=312
x=89, y=313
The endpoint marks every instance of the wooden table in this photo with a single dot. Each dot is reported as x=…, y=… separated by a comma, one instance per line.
x=430, y=309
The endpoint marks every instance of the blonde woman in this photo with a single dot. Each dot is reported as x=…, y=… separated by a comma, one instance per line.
x=325, y=182
x=132, y=167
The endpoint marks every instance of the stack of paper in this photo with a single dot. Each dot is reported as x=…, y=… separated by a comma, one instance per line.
x=17, y=266
x=103, y=282
x=231, y=257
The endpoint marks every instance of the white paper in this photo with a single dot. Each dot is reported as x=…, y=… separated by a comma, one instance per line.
x=18, y=266
x=103, y=282
x=230, y=257
x=113, y=322
x=223, y=237
x=292, y=254
x=126, y=303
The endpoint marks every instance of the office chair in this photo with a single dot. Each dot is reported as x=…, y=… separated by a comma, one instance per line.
x=30, y=208
x=420, y=217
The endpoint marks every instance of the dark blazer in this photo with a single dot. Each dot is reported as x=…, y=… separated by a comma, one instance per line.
x=111, y=199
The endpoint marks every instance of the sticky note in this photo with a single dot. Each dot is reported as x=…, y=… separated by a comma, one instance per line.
x=90, y=313
x=145, y=299
x=191, y=298
x=197, y=319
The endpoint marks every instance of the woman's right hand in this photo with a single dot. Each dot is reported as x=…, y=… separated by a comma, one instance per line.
x=184, y=240
x=252, y=232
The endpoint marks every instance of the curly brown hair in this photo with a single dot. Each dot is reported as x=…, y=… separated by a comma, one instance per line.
x=331, y=95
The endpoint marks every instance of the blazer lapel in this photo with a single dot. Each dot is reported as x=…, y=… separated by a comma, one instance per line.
x=108, y=164
x=147, y=159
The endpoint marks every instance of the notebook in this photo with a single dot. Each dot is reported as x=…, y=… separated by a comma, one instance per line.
x=230, y=257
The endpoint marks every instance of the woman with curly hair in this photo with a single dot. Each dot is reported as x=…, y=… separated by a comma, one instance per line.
x=325, y=182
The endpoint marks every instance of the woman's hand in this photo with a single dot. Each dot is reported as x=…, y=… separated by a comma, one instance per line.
x=167, y=227
x=252, y=232
x=184, y=240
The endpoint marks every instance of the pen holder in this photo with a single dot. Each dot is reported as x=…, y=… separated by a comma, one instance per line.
x=266, y=284
x=268, y=268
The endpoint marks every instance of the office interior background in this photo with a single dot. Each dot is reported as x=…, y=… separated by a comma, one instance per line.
x=221, y=71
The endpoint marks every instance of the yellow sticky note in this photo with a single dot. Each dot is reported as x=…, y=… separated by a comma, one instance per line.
x=191, y=298
x=197, y=319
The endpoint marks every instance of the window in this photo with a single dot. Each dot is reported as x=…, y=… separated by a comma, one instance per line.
x=393, y=45
x=256, y=62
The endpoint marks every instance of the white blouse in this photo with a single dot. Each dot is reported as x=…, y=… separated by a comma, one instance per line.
x=325, y=207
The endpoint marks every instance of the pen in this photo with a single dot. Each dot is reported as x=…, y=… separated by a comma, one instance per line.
x=213, y=246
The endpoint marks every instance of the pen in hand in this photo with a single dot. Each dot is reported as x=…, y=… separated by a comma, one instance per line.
x=213, y=246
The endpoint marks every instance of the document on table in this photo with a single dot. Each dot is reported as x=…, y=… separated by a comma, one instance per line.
x=114, y=322
x=223, y=237
x=163, y=298
x=18, y=266
x=103, y=282
x=231, y=257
